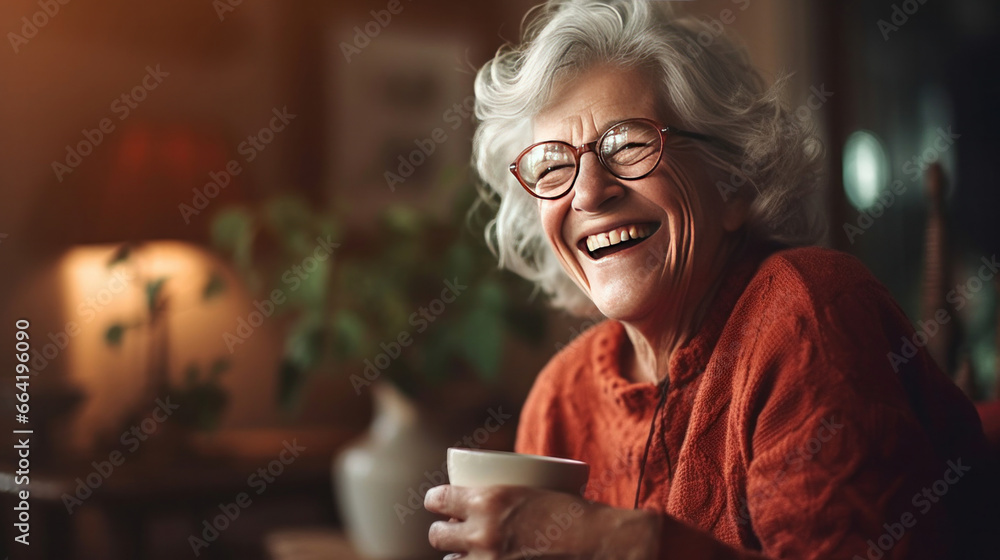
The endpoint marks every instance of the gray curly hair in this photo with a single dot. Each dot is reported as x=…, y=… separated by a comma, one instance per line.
x=712, y=88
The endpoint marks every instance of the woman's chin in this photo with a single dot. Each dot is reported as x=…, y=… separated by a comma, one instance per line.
x=625, y=306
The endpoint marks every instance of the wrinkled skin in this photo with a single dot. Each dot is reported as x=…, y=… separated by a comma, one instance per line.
x=658, y=289
x=508, y=522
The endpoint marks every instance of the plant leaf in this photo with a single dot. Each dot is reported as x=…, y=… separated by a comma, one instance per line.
x=482, y=341
x=482, y=330
x=439, y=351
x=491, y=295
x=460, y=261
x=233, y=232
x=230, y=227
x=328, y=226
x=349, y=334
x=154, y=289
x=304, y=345
x=313, y=284
x=121, y=255
x=290, y=381
x=219, y=367
x=291, y=219
x=402, y=219
x=215, y=286
x=113, y=336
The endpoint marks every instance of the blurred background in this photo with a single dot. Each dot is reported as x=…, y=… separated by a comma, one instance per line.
x=258, y=313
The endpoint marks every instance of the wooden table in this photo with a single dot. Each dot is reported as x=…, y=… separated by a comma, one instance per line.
x=310, y=544
x=147, y=486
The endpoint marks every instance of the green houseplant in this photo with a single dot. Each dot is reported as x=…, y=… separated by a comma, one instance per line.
x=409, y=309
x=414, y=301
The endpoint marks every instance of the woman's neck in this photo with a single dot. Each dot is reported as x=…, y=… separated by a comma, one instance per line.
x=655, y=341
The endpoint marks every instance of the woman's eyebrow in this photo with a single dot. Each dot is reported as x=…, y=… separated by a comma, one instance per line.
x=605, y=125
x=602, y=127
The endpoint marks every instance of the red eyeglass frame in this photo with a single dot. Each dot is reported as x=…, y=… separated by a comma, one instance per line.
x=578, y=152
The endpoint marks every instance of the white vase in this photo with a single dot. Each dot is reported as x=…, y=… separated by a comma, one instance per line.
x=380, y=480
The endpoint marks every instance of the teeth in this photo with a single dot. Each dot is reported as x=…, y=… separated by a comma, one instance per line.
x=617, y=236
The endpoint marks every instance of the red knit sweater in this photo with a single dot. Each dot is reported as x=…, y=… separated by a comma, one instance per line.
x=786, y=430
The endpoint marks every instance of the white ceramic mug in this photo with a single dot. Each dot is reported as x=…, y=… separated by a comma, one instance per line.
x=476, y=468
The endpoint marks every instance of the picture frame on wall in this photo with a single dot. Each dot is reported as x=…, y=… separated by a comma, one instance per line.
x=400, y=126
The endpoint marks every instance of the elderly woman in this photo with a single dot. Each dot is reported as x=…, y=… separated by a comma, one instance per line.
x=739, y=402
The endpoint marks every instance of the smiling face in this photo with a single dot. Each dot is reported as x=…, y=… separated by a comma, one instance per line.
x=666, y=273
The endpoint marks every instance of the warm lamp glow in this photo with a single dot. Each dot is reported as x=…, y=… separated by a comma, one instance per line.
x=98, y=294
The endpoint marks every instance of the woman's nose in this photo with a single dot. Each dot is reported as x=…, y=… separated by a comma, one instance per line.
x=595, y=186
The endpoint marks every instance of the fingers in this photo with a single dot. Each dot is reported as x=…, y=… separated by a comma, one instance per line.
x=483, y=519
x=471, y=537
x=449, y=500
x=449, y=536
x=475, y=517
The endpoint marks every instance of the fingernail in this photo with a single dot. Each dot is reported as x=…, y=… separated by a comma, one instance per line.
x=430, y=494
x=454, y=556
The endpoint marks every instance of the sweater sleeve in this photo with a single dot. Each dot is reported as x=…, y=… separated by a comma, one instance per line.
x=839, y=458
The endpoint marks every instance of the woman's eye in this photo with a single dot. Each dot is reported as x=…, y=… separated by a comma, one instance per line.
x=552, y=169
x=554, y=174
x=632, y=146
x=634, y=151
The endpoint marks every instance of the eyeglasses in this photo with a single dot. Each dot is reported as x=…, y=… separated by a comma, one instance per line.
x=629, y=150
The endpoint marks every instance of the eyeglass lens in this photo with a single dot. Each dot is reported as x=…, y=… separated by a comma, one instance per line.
x=628, y=150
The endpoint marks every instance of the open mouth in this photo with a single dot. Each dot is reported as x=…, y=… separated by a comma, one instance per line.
x=616, y=240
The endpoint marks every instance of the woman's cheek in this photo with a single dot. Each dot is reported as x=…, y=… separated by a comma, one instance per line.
x=553, y=220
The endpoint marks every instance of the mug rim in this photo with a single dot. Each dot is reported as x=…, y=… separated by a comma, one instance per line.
x=514, y=455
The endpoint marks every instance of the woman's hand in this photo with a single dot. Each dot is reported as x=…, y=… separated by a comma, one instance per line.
x=514, y=522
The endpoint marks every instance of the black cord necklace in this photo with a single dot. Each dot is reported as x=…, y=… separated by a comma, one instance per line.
x=649, y=440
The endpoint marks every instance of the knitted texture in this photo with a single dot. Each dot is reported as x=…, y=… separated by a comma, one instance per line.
x=787, y=432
